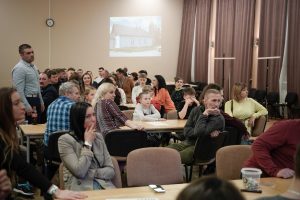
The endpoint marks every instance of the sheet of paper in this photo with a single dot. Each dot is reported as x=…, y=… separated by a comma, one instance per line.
x=138, y=198
x=157, y=123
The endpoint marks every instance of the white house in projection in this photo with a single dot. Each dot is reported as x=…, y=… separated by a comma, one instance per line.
x=135, y=38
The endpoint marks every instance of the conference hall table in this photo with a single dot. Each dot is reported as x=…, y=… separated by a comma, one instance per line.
x=170, y=125
x=269, y=186
x=32, y=132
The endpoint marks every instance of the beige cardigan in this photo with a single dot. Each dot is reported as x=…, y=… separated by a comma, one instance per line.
x=81, y=167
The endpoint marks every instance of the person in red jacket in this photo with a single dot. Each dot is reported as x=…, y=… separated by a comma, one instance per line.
x=274, y=150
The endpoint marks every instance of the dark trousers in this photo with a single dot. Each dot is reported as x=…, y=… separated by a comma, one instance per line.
x=34, y=101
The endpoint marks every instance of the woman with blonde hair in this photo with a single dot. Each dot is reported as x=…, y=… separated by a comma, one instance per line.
x=244, y=108
x=108, y=114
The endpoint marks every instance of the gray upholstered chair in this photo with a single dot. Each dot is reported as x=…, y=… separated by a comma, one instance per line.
x=153, y=165
x=230, y=160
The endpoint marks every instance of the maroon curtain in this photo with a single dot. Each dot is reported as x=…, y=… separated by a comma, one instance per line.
x=202, y=39
x=234, y=38
x=186, y=40
x=293, y=49
x=271, y=42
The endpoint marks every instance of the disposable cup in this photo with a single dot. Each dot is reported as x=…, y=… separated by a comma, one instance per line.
x=251, y=178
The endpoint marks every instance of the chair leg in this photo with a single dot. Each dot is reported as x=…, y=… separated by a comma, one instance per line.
x=191, y=173
x=186, y=173
x=200, y=170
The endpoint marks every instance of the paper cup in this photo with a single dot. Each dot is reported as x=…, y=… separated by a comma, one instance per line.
x=251, y=178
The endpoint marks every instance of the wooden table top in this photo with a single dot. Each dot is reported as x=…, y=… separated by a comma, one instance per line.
x=39, y=129
x=171, y=124
x=33, y=130
x=269, y=186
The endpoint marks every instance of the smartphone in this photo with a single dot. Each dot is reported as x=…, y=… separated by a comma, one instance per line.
x=157, y=188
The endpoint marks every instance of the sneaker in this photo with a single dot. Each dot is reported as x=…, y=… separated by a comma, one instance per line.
x=24, y=189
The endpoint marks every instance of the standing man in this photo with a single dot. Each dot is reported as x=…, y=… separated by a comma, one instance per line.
x=125, y=83
x=26, y=79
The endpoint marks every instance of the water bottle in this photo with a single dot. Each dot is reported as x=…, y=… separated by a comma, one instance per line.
x=34, y=116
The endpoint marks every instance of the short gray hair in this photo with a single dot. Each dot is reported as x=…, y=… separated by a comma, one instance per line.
x=67, y=88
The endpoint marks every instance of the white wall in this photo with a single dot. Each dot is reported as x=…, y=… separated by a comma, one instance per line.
x=80, y=36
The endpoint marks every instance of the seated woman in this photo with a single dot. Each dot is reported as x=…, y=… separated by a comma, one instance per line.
x=244, y=108
x=210, y=188
x=12, y=110
x=87, y=163
x=162, y=95
x=108, y=114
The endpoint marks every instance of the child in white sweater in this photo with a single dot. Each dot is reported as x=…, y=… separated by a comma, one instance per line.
x=144, y=110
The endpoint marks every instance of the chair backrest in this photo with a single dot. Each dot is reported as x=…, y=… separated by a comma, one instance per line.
x=128, y=114
x=120, y=143
x=228, y=163
x=291, y=98
x=233, y=136
x=171, y=115
x=153, y=165
x=117, y=180
x=121, y=107
x=273, y=97
x=51, y=151
x=259, y=125
x=260, y=96
x=252, y=93
x=61, y=176
x=206, y=147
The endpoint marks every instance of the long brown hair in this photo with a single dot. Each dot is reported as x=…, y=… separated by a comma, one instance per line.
x=8, y=133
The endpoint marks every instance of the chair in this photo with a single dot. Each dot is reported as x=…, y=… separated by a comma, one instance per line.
x=119, y=142
x=153, y=165
x=252, y=93
x=228, y=164
x=291, y=101
x=51, y=154
x=272, y=102
x=259, y=125
x=233, y=137
x=171, y=115
x=128, y=114
x=204, y=153
x=122, y=107
x=260, y=97
x=117, y=181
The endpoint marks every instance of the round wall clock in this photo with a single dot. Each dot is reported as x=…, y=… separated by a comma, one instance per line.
x=50, y=22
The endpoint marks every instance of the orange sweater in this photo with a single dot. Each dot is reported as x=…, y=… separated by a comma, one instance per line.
x=163, y=97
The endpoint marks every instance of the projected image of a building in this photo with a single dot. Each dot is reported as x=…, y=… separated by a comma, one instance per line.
x=135, y=36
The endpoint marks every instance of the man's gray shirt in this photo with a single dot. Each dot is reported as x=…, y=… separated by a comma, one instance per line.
x=26, y=80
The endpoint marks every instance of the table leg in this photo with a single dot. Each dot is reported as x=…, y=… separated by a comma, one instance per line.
x=28, y=149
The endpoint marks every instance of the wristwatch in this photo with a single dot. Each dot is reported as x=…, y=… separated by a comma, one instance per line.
x=87, y=145
x=52, y=190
